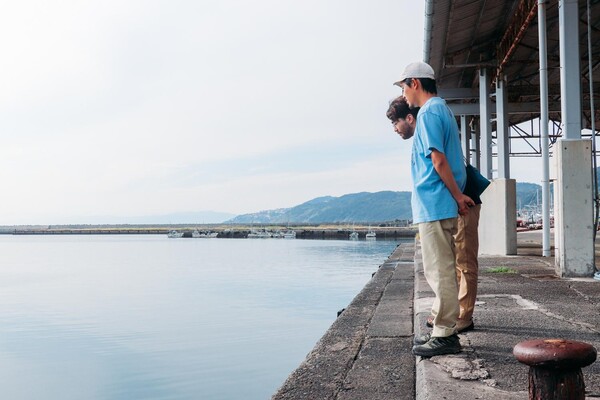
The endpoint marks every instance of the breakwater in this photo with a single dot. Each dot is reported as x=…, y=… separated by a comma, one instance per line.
x=383, y=233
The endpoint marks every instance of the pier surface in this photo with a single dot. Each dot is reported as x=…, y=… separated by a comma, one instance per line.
x=366, y=354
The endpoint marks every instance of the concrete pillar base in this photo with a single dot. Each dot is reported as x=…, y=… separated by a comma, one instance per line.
x=573, y=209
x=498, y=219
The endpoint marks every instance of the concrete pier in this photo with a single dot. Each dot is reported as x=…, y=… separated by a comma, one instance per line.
x=366, y=354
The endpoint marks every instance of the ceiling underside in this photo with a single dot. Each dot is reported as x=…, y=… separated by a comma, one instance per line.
x=502, y=35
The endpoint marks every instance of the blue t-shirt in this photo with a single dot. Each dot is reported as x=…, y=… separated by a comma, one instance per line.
x=436, y=129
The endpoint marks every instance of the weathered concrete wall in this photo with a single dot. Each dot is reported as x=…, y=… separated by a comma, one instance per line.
x=574, y=222
x=365, y=354
x=498, y=219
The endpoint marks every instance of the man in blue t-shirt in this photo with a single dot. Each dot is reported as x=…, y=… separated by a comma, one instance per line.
x=439, y=176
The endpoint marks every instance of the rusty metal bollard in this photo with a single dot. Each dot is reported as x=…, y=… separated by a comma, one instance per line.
x=555, y=367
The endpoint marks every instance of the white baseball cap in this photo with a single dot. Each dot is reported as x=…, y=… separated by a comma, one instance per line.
x=417, y=69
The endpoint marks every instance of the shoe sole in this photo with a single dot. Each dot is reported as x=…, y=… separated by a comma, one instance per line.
x=436, y=352
x=467, y=328
x=418, y=342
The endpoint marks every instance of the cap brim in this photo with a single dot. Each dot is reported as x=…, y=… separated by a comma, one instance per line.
x=402, y=79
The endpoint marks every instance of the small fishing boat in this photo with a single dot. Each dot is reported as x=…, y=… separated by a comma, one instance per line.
x=371, y=235
x=289, y=234
x=174, y=234
x=259, y=234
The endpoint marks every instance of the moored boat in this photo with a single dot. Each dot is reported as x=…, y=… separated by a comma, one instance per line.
x=371, y=235
x=289, y=234
x=174, y=234
x=259, y=234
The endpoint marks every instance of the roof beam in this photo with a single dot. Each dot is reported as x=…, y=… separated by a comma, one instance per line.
x=513, y=108
x=532, y=107
x=525, y=13
x=553, y=89
x=458, y=93
x=519, y=90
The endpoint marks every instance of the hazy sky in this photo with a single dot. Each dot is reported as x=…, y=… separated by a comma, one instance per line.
x=152, y=107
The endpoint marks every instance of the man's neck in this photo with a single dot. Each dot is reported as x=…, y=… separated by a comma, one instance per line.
x=424, y=97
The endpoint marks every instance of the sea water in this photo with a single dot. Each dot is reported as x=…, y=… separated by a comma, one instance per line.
x=148, y=317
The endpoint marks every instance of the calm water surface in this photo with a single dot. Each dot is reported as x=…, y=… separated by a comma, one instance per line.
x=147, y=317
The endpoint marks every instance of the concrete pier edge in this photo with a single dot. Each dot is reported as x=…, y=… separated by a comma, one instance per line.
x=366, y=353
x=456, y=376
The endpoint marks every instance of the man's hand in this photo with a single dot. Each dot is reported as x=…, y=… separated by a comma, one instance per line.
x=440, y=163
x=464, y=203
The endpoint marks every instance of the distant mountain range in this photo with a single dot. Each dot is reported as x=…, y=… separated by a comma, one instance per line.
x=364, y=207
x=529, y=194
x=350, y=208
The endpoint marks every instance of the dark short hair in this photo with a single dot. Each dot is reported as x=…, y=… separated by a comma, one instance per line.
x=428, y=85
x=399, y=109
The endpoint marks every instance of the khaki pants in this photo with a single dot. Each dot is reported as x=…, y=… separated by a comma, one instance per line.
x=437, y=245
x=467, y=266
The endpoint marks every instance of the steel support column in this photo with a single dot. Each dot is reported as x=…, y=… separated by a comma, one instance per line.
x=498, y=218
x=570, y=72
x=485, y=123
x=574, y=228
x=545, y=141
x=502, y=128
x=475, y=157
x=465, y=137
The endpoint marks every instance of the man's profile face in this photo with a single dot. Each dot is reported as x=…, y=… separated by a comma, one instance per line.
x=408, y=91
x=404, y=128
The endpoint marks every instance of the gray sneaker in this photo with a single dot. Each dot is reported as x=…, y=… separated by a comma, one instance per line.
x=422, y=339
x=437, y=346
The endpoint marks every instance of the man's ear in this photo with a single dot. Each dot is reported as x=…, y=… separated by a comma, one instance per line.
x=416, y=83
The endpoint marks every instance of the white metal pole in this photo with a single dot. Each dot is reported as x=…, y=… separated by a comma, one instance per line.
x=502, y=128
x=465, y=138
x=592, y=117
x=544, y=129
x=570, y=71
x=485, y=123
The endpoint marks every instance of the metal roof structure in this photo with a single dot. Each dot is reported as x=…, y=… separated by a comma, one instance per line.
x=462, y=36
x=522, y=48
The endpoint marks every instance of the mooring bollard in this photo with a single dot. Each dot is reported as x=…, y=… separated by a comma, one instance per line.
x=555, y=367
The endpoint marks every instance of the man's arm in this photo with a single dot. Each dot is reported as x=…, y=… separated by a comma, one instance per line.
x=440, y=163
